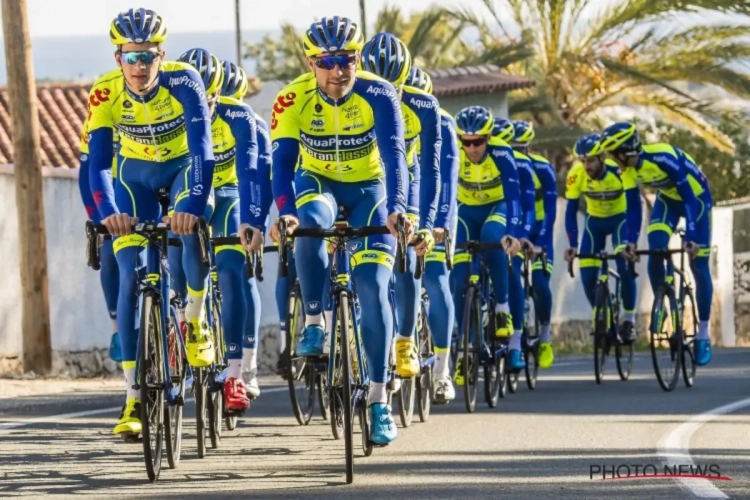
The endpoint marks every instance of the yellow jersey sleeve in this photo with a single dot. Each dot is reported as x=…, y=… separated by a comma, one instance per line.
x=574, y=181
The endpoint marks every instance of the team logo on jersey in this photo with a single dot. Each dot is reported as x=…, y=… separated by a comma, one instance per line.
x=282, y=102
x=99, y=96
x=318, y=108
x=317, y=123
x=127, y=104
x=352, y=112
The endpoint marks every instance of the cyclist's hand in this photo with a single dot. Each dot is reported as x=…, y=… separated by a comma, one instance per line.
x=119, y=224
x=393, y=223
x=692, y=249
x=182, y=223
x=570, y=254
x=628, y=252
x=510, y=245
x=255, y=243
x=291, y=223
x=439, y=234
x=331, y=245
x=427, y=244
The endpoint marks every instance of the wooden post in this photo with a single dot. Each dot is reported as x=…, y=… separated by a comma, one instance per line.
x=238, y=32
x=32, y=238
x=363, y=18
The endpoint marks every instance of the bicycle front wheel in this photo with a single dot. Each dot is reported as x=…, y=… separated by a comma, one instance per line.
x=602, y=324
x=301, y=374
x=178, y=379
x=346, y=382
x=688, y=327
x=471, y=339
x=531, y=342
x=426, y=357
x=666, y=339
x=152, y=382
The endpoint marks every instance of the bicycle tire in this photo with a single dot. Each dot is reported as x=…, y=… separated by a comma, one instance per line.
x=335, y=402
x=364, y=425
x=322, y=396
x=512, y=380
x=173, y=414
x=406, y=399
x=424, y=381
x=215, y=417
x=298, y=369
x=601, y=330
x=344, y=311
x=471, y=337
x=663, y=300
x=688, y=337
x=215, y=403
x=500, y=364
x=531, y=343
x=492, y=378
x=152, y=385
x=200, y=394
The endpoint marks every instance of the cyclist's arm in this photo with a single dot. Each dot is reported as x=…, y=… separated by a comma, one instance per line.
x=528, y=197
x=187, y=87
x=389, y=132
x=100, y=140
x=547, y=178
x=262, y=188
x=427, y=110
x=285, y=130
x=241, y=120
x=634, y=211
x=505, y=163
x=448, y=174
x=678, y=174
x=573, y=194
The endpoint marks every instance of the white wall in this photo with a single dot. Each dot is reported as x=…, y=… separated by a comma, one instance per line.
x=78, y=313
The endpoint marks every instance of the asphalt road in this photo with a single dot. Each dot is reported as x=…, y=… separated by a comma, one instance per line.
x=564, y=440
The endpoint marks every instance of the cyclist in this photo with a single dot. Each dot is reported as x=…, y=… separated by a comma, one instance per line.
x=542, y=235
x=488, y=198
x=512, y=311
x=161, y=114
x=258, y=198
x=613, y=206
x=436, y=277
x=387, y=57
x=682, y=190
x=108, y=272
x=347, y=127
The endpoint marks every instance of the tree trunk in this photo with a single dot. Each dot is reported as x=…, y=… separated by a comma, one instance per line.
x=32, y=240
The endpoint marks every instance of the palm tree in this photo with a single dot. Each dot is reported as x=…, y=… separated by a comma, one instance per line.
x=589, y=57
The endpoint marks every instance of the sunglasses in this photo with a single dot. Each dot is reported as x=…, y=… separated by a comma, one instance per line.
x=473, y=142
x=333, y=60
x=145, y=56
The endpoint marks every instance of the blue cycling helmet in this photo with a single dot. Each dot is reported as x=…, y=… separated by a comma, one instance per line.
x=588, y=145
x=419, y=79
x=503, y=129
x=474, y=120
x=137, y=26
x=332, y=34
x=621, y=137
x=524, y=132
x=208, y=66
x=235, y=81
x=387, y=56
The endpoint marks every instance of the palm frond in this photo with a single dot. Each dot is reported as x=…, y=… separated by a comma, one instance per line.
x=634, y=73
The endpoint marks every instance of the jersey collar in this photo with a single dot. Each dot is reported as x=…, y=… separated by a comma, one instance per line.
x=335, y=102
x=145, y=98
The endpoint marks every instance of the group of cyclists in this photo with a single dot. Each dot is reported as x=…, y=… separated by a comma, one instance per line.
x=362, y=137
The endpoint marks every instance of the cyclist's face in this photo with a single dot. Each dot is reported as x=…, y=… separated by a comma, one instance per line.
x=212, y=100
x=335, y=71
x=593, y=166
x=140, y=64
x=475, y=146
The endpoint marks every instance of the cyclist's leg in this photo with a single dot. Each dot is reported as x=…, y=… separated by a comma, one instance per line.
x=109, y=276
x=200, y=348
x=664, y=218
x=282, y=291
x=316, y=208
x=492, y=231
x=543, y=295
x=592, y=241
x=627, y=280
x=470, y=219
x=704, y=288
x=373, y=258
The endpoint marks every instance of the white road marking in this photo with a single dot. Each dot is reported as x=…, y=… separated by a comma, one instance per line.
x=674, y=448
x=4, y=426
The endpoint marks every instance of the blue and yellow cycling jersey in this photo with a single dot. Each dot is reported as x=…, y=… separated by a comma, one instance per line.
x=234, y=135
x=449, y=158
x=170, y=122
x=493, y=179
x=262, y=194
x=546, y=198
x=606, y=196
x=529, y=186
x=422, y=133
x=356, y=138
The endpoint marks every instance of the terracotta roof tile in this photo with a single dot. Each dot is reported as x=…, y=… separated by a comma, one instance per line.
x=474, y=80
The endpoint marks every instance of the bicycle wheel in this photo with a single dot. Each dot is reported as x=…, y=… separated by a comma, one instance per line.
x=322, y=395
x=177, y=376
x=364, y=425
x=502, y=375
x=531, y=342
x=601, y=330
x=152, y=382
x=346, y=379
x=471, y=335
x=512, y=381
x=426, y=357
x=300, y=374
x=215, y=402
x=688, y=327
x=666, y=340
x=406, y=400
x=200, y=394
x=215, y=411
x=492, y=381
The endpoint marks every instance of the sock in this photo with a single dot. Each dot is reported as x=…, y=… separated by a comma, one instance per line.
x=502, y=308
x=328, y=316
x=114, y=325
x=282, y=344
x=702, y=331
x=194, y=311
x=441, y=361
x=314, y=319
x=401, y=337
x=130, y=382
x=378, y=393
x=249, y=360
x=629, y=316
x=515, y=341
x=181, y=317
x=235, y=368
x=544, y=334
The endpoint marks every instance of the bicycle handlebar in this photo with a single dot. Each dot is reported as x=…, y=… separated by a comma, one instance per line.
x=603, y=255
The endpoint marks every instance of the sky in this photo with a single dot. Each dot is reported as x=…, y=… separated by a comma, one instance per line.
x=90, y=17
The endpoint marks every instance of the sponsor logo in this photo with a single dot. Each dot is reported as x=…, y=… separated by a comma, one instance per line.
x=318, y=108
x=317, y=123
x=255, y=210
x=444, y=208
x=232, y=347
x=356, y=246
x=340, y=141
x=236, y=115
x=127, y=104
x=370, y=256
x=225, y=156
x=188, y=82
x=352, y=112
x=376, y=91
x=313, y=305
x=381, y=245
x=84, y=157
x=197, y=119
x=99, y=96
x=157, y=128
x=423, y=103
x=282, y=102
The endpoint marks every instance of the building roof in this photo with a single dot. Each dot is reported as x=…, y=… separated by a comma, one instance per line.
x=62, y=110
x=483, y=79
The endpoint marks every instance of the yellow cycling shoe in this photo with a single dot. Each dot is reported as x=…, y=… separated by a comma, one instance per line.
x=504, y=325
x=458, y=375
x=407, y=358
x=130, y=418
x=546, y=355
x=200, y=346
